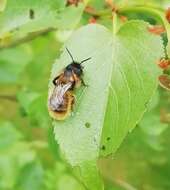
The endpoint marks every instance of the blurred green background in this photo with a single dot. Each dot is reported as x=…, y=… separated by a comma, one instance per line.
x=29, y=155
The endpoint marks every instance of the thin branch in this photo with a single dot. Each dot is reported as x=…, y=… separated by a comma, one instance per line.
x=124, y=184
x=96, y=14
x=9, y=97
x=33, y=35
x=27, y=38
x=152, y=11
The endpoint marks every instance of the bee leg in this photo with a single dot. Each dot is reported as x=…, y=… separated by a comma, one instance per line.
x=73, y=85
x=73, y=101
x=83, y=83
x=54, y=80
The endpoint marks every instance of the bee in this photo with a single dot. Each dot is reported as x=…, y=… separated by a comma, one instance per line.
x=62, y=99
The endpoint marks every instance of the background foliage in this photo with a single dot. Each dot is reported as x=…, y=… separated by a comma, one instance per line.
x=30, y=158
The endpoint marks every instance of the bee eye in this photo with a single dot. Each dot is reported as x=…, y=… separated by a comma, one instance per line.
x=78, y=72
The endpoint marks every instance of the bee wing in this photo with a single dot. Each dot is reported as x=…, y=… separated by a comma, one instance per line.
x=57, y=98
x=61, y=90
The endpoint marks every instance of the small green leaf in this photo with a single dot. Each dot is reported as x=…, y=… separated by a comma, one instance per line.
x=152, y=125
x=59, y=178
x=8, y=135
x=32, y=175
x=161, y=14
x=14, y=154
x=31, y=16
x=10, y=67
x=26, y=97
x=154, y=12
x=38, y=112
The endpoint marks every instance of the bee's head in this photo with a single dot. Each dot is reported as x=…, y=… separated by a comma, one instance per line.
x=76, y=67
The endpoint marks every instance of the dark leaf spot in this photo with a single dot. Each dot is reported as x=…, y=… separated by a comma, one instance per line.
x=103, y=147
x=31, y=14
x=108, y=138
x=87, y=125
x=73, y=2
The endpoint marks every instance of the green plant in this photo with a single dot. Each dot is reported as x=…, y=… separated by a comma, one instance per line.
x=127, y=41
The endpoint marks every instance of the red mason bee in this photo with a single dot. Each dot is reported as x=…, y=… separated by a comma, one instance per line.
x=61, y=100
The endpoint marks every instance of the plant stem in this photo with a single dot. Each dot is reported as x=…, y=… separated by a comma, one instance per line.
x=8, y=97
x=114, y=22
x=93, y=12
x=27, y=38
x=155, y=13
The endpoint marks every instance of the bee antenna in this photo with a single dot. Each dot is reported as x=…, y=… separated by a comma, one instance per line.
x=85, y=60
x=70, y=54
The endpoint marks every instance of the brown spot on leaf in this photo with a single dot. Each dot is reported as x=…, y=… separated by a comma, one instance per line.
x=168, y=14
x=157, y=29
x=92, y=20
x=123, y=18
x=164, y=63
x=164, y=81
x=73, y=2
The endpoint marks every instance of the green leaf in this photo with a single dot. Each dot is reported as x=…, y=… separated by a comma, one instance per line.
x=59, y=178
x=10, y=67
x=141, y=2
x=31, y=177
x=152, y=125
x=2, y=5
x=90, y=176
x=38, y=112
x=14, y=154
x=31, y=16
x=34, y=105
x=154, y=12
x=121, y=77
x=8, y=135
x=97, y=4
x=68, y=182
x=26, y=97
